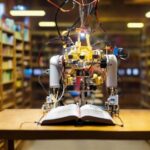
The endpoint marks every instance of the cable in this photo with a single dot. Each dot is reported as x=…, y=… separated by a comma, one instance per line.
x=122, y=123
x=72, y=27
x=60, y=8
x=35, y=122
x=59, y=99
x=83, y=4
x=21, y=125
x=56, y=19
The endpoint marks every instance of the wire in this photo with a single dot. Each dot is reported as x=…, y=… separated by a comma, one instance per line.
x=83, y=4
x=75, y=1
x=72, y=27
x=60, y=98
x=122, y=123
x=35, y=122
x=59, y=7
x=23, y=123
x=56, y=19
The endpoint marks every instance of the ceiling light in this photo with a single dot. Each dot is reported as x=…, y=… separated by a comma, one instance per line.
x=147, y=15
x=135, y=25
x=53, y=24
x=27, y=13
x=47, y=24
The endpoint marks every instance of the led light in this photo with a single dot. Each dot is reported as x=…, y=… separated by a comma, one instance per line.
x=135, y=25
x=27, y=12
x=82, y=35
x=136, y=72
x=147, y=15
x=47, y=24
x=129, y=71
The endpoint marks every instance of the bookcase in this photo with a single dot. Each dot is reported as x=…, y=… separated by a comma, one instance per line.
x=7, y=51
x=145, y=67
x=27, y=67
x=15, y=56
x=19, y=50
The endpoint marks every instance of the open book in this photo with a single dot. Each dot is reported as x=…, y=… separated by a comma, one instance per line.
x=72, y=112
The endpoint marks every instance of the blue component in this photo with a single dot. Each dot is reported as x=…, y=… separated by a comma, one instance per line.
x=116, y=51
x=74, y=93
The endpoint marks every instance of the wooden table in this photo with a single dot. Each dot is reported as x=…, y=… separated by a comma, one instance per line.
x=20, y=124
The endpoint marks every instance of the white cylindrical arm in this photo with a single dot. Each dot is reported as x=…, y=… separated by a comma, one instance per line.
x=112, y=69
x=54, y=72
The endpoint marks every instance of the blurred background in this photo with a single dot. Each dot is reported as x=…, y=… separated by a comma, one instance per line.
x=24, y=52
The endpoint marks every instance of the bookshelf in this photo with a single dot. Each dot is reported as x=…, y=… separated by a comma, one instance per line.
x=8, y=65
x=145, y=67
x=14, y=49
x=27, y=67
x=19, y=50
x=15, y=57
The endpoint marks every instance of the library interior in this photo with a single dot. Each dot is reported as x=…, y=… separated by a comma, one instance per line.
x=60, y=55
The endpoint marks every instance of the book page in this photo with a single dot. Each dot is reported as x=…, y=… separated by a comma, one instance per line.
x=62, y=112
x=94, y=111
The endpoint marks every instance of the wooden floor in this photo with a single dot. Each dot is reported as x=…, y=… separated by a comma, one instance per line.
x=86, y=145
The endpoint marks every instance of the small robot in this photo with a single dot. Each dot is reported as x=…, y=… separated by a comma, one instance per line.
x=83, y=68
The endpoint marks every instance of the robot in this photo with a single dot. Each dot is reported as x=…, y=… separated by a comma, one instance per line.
x=82, y=68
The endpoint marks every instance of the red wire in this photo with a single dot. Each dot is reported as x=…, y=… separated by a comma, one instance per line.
x=57, y=6
x=68, y=10
x=83, y=4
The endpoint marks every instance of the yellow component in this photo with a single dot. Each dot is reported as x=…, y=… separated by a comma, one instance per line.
x=79, y=50
x=70, y=81
x=86, y=51
x=99, y=80
x=95, y=76
x=88, y=41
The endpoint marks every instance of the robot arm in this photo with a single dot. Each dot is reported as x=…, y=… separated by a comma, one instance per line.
x=54, y=72
x=111, y=83
x=54, y=82
x=112, y=67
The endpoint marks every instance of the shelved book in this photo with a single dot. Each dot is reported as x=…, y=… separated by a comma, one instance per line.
x=85, y=114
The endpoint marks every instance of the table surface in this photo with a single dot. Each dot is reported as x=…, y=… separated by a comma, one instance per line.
x=20, y=124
